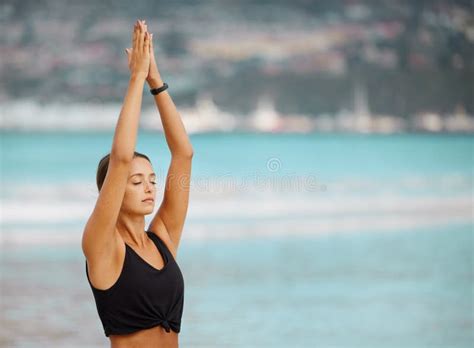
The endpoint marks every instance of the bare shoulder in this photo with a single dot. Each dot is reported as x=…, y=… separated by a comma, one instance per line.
x=160, y=230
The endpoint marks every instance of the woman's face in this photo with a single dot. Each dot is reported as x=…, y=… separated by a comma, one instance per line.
x=140, y=186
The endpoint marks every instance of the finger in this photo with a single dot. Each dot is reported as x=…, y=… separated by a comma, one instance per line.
x=135, y=27
x=152, y=51
x=141, y=37
x=135, y=36
x=146, y=43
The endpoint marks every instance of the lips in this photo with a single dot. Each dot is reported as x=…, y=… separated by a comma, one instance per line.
x=148, y=200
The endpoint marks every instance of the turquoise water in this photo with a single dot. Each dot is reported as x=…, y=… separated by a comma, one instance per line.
x=378, y=254
x=71, y=156
x=394, y=289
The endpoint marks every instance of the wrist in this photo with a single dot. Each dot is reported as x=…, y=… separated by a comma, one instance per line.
x=155, y=82
x=138, y=76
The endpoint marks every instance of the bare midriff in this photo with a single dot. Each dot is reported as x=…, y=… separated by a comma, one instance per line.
x=148, y=338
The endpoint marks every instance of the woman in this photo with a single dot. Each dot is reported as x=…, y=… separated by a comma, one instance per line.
x=133, y=273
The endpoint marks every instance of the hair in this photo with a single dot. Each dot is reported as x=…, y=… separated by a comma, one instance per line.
x=104, y=166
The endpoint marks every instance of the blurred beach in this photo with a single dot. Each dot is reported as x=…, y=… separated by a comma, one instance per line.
x=290, y=240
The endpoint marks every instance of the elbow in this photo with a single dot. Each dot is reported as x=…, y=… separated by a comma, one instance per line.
x=121, y=157
x=188, y=153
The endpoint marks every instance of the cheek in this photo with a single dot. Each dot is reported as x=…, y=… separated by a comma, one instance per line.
x=132, y=192
x=132, y=198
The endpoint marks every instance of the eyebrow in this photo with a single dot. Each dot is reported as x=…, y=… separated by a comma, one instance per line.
x=140, y=174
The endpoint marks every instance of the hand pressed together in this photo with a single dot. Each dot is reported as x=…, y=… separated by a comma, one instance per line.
x=152, y=73
x=139, y=55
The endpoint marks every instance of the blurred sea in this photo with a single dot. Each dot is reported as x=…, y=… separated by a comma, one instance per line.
x=302, y=240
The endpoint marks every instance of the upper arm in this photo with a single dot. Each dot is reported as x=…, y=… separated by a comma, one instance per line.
x=100, y=236
x=172, y=211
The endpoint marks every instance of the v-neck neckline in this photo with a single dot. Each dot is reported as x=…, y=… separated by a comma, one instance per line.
x=163, y=255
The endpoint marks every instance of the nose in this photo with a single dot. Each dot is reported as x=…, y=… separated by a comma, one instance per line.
x=148, y=187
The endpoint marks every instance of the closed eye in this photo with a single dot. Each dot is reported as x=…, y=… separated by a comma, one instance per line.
x=138, y=183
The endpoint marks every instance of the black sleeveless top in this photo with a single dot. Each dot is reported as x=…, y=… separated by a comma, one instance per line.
x=143, y=296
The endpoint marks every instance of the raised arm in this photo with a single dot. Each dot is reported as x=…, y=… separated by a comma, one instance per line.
x=172, y=211
x=100, y=236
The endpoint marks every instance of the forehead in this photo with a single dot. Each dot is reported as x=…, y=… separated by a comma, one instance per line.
x=141, y=165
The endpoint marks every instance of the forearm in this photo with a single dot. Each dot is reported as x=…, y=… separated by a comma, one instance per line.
x=175, y=133
x=126, y=130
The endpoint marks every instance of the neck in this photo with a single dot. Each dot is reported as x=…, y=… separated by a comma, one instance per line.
x=132, y=230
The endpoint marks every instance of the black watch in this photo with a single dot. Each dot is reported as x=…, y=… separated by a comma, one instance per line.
x=155, y=91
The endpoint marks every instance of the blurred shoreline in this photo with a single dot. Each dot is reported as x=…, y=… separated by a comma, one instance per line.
x=207, y=117
x=280, y=67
